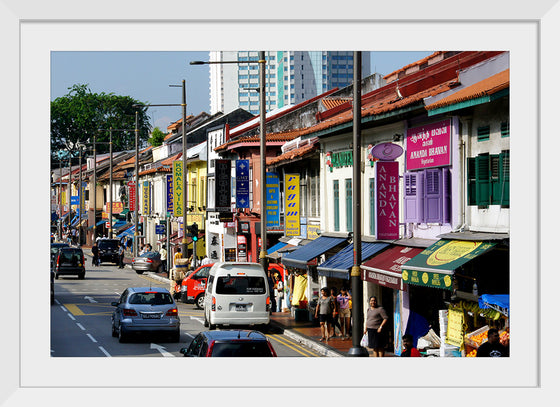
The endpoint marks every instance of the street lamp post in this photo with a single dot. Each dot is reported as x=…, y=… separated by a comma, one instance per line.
x=184, y=243
x=262, y=112
x=94, y=186
x=110, y=182
x=355, y=275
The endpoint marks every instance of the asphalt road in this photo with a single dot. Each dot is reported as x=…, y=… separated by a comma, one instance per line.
x=81, y=319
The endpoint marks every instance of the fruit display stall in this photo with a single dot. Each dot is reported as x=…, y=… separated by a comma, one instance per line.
x=470, y=321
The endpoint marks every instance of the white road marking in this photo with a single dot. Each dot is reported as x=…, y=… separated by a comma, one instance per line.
x=80, y=326
x=104, y=351
x=161, y=350
x=92, y=338
x=198, y=319
x=63, y=309
x=71, y=317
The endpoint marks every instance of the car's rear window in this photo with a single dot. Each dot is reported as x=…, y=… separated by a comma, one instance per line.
x=71, y=256
x=240, y=285
x=152, y=298
x=241, y=349
x=108, y=244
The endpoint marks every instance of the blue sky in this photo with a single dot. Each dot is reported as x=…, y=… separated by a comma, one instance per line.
x=146, y=76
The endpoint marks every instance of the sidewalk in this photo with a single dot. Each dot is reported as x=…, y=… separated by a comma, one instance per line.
x=307, y=333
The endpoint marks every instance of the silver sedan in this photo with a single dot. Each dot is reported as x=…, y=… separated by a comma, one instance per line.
x=150, y=261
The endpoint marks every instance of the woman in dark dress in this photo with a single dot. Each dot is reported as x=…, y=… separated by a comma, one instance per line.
x=376, y=319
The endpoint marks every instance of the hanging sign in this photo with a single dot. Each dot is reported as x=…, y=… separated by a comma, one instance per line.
x=242, y=184
x=146, y=198
x=291, y=182
x=272, y=199
x=387, y=200
x=178, y=193
x=169, y=194
x=455, y=321
x=428, y=146
x=131, y=195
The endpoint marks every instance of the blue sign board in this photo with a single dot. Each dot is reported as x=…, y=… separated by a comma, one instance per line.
x=160, y=229
x=74, y=200
x=169, y=194
x=272, y=199
x=242, y=183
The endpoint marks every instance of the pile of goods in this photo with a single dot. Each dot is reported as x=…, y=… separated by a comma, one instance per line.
x=478, y=337
x=473, y=307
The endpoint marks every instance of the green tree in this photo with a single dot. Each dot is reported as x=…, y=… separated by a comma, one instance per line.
x=78, y=115
x=157, y=137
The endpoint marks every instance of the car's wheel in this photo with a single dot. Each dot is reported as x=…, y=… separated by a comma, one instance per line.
x=81, y=276
x=176, y=337
x=114, y=332
x=56, y=276
x=160, y=269
x=206, y=324
x=139, y=271
x=199, y=302
x=211, y=326
x=122, y=335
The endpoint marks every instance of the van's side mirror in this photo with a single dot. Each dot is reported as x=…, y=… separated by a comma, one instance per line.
x=184, y=351
x=114, y=304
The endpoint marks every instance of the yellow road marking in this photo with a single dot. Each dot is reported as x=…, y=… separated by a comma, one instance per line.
x=285, y=342
x=74, y=310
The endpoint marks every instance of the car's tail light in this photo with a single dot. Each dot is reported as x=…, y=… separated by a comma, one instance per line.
x=129, y=313
x=149, y=261
x=210, y=349
x=272, y=349
x=172, y=312
x=57, y=260
x=267, y=304
x=213, y=303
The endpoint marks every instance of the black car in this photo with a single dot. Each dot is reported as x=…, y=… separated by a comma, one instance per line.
x=230, y=343
x=55, y=247
x=70, y=261
x=108, y=250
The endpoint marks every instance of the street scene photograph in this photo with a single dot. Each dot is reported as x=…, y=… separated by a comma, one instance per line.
x=280, y=204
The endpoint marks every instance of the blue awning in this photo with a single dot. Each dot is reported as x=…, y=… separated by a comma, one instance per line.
x=127, y=232
x=119, y=223
x=277, y=246
x=338, y=265
x=299, y=257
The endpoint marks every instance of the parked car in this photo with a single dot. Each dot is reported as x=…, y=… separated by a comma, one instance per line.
x=70, y=261
x=145, y=309
x=149, y=261
x=108, y=250
x=237, y=293
x=230, y=343
x=55, y=247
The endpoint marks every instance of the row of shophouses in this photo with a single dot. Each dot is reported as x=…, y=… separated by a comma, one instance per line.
x=434, y=188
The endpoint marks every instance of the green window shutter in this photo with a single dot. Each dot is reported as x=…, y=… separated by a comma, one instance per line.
x=483, y=133
x=482, y=171
x=348, y=185
x=495, y=180
x=372, y=206
x=336, y=193
x=471, y=181
x=504, y=129
x=504, y=177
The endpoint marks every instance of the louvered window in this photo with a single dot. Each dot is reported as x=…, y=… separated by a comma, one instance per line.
x=336, y=193
x=372, y=213
x=427, y=197
x=488, y=179
x=504, y=129
x=483, y=133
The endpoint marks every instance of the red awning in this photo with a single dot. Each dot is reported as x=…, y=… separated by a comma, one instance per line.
x=385, y=268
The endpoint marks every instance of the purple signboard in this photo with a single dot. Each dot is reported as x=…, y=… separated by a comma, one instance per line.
x=169, y=194
x=428, y=146
x=386, y=151
x=387, y=200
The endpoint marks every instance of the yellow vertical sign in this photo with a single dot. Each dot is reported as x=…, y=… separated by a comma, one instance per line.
x=291, y=197
x=455, y=335
x=146, y=198
x=178, y=188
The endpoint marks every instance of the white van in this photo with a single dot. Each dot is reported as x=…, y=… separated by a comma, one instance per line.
x=237, y=293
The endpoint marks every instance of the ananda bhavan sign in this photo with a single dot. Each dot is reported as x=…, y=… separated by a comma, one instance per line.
x=387, y=200
x=428, y=146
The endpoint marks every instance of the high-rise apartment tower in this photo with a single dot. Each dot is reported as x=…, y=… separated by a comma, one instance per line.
x=291, y=77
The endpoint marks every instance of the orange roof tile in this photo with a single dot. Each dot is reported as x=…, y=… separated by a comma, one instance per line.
x=485, y=87
x=293, y=154
x=330, y=103
x=270, y=138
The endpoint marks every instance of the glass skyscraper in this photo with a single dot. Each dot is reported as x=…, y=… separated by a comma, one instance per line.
x=291, y=77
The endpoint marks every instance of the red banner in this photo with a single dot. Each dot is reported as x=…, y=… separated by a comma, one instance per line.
x=131, y=195
x=387, y=199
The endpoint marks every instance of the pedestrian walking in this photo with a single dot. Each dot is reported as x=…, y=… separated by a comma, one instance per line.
x=343, y=299
x=95, y=253
x=205, y=261
x=279, y=293
x=376, y=319
x=334, y=323
x=324, y=311
x=163, y=256
x=121, y=256
x=178, y=255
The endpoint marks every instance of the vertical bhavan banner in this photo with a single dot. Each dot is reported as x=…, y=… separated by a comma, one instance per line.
x=387, y=200
x=272, y=199
x=291, y=183
x=178, y=188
